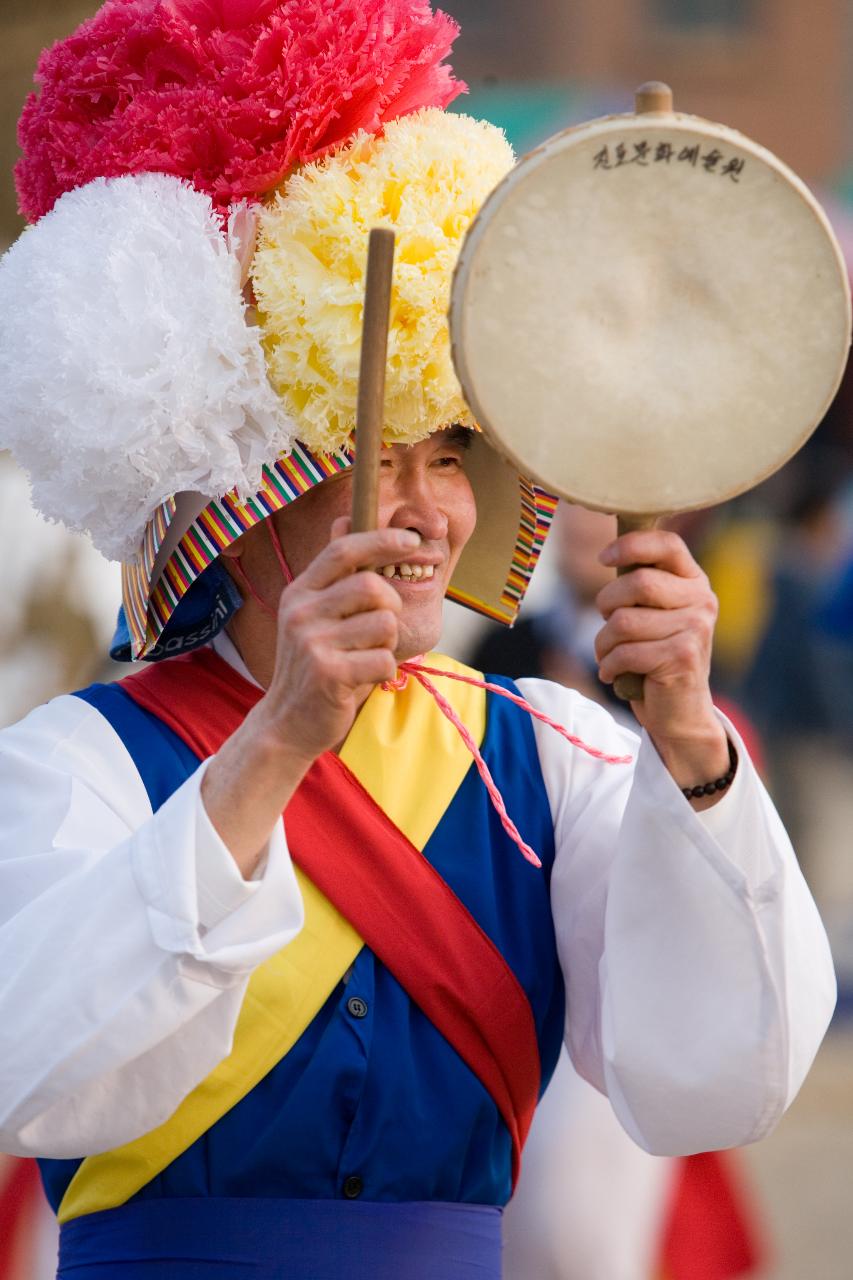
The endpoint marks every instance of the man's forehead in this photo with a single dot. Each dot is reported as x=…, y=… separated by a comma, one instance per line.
x=455, y=435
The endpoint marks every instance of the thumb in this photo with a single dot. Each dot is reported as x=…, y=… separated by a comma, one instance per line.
x=340, y=528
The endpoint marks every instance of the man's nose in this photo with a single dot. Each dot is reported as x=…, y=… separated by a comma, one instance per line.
x=415, y=507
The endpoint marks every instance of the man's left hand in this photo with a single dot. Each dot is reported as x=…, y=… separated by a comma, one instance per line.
x=659, y=623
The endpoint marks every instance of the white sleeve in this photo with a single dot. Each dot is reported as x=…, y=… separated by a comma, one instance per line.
x=698, y=975
x=118, y=929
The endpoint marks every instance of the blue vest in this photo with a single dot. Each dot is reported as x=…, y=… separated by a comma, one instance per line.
x=372, y=1102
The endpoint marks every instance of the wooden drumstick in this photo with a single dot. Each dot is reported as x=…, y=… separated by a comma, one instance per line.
x=370, y=420
x=652, y=97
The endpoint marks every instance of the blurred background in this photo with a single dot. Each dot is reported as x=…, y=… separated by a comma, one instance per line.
x=780, y=558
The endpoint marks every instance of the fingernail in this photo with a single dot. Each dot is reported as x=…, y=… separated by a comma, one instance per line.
x=608, y=555
x=408, y=538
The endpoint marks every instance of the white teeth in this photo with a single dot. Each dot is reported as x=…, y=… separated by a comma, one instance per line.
x=409, y=572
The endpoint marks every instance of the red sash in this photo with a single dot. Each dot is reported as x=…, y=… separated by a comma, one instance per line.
x=396, y=900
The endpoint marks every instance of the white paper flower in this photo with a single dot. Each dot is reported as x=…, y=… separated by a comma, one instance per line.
x=127, y=369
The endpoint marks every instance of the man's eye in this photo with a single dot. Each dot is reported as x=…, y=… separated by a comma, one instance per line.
x=449, y=460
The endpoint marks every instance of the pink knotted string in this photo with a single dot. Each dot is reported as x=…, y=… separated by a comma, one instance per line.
x=421, y=673
x=416, y=666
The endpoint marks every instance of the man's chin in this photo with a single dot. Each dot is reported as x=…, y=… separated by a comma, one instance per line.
x=416, y=642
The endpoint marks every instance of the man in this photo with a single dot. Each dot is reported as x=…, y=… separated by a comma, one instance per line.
x=314, y=1048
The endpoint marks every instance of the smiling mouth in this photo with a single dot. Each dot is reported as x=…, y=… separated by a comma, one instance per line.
x=409, y=572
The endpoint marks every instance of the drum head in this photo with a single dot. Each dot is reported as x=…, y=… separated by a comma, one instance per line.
x=651, y=314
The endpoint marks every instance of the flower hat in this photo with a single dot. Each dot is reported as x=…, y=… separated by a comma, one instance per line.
x=180, y=325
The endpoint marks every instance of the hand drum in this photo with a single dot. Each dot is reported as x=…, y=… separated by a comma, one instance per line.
x=651, y=313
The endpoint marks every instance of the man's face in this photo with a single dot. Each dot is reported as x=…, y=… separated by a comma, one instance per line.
x=422, y=487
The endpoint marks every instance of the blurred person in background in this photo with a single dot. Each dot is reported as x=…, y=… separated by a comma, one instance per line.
x=789, y=692
x=834, y=625
x=558, y=641
x=798, y=687
x=591, y=1205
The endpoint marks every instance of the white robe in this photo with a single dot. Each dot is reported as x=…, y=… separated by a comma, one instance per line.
x=698, y=975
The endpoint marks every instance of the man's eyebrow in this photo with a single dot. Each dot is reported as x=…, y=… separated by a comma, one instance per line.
x=461, y=436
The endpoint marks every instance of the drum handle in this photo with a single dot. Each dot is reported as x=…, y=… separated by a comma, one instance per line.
x=370, y=419
x=629, y=686
x=653, y=98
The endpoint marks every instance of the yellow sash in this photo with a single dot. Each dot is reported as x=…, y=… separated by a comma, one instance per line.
x=411, y=761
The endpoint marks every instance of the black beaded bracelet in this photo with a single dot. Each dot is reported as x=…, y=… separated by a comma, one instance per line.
x=711, y=788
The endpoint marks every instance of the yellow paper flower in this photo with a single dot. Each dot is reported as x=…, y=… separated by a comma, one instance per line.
x=426, y=177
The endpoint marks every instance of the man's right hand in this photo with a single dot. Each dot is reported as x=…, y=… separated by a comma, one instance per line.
x=336, y=639
x=337, y=636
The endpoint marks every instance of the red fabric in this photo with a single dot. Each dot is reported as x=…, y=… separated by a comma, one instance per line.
x=20, y=1194
x=711, y=1231
x=383, y=885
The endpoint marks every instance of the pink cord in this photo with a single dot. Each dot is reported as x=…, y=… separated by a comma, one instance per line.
x=283, y=565
x=250, y=587
x=415, y=666
x=279, y=552
x=482, y=768
x=420, y=673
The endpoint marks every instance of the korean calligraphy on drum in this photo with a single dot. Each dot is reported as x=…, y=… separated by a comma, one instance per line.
x=645, y=154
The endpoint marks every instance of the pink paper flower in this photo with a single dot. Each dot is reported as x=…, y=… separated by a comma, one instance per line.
x=228, y=94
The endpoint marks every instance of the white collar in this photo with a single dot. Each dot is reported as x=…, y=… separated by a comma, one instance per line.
x=224, y=646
